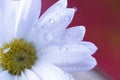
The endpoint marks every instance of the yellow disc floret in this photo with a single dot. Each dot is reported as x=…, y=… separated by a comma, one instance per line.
x=17, y=56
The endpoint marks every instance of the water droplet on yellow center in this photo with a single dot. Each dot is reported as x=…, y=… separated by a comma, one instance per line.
x=17, y=56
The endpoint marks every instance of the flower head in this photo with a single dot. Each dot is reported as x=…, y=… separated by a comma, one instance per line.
x=36, y=48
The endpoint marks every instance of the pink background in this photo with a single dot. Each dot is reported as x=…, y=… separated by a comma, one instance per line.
x=102, y=21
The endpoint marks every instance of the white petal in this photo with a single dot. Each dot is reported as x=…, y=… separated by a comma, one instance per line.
x=4, y=75
x=51, y=31
x=56, y=8
x=50, y=72
x=8, y=12
x=31, y=75
x=60, y=53
x=68, y=54
x=85, y=63
x=74, y=34
x=28, y=14
x=63, y=2
x=57, y=21
x=53, y=21
x=23, y=76
x=17, y=78
x=90, y=45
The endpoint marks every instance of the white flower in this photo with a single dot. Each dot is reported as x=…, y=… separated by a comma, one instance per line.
x=33, y=48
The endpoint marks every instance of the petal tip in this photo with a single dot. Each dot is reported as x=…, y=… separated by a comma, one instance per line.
x=94, y=63
x=91, y=64
x=82, y=27
x=95, y=48
x=64, y=2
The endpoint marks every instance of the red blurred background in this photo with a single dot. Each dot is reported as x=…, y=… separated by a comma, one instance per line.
x=102, y=21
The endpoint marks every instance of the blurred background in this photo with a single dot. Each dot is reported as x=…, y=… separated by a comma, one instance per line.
x=102, y=21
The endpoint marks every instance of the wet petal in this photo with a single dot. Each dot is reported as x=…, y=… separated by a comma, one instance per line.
x=28, y=14
x=50, y=72
x=74, y=34
x=53, y=21
x=56, y=53
x=57, y=21
x=90, y=45
x=52, y=31
x=85, y=63
x=68, y=54
x=54, y=9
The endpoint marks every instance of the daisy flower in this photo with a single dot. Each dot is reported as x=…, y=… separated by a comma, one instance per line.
x=33, y=48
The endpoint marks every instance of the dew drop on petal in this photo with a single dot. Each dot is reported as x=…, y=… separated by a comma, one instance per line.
x=75, y=8
x=50, y=15
x=57, y=8
x=51, y=21
x=57, y=15
x=63, y=61
x=64, y=48
x=49, y=37
x=44, y=27
x=53, y=70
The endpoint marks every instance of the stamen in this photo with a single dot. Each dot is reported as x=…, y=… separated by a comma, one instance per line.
x=17, y=56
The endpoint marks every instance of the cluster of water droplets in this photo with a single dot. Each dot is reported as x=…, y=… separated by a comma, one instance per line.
x=53, y=17
x=51, y=20
x=63, y=51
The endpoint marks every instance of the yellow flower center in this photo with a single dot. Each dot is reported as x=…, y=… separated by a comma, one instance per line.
x=17, y=56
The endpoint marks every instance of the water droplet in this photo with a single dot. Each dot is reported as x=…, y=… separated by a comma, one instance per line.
x=49, y=37
x=63, y=61
x=64, y=48
x=51, y=20
x=75, y=8
x=58, y=7
x=57, y=15
x=50, y=15
x=53, y=70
